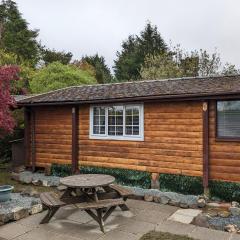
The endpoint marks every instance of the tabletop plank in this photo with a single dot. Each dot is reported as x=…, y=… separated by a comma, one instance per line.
x=87, y=180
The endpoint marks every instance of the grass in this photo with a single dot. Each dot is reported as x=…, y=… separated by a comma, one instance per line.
x=163, y=236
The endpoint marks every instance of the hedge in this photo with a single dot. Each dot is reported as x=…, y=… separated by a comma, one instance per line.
x=227, y=191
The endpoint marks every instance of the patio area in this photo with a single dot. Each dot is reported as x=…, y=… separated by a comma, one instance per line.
x=70, y=223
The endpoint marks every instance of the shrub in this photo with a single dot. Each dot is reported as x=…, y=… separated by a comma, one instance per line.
x=181, y=184
x=227, y=191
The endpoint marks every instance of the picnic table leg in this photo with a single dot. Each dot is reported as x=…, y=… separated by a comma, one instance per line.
x=50, y=214
x=100, y=219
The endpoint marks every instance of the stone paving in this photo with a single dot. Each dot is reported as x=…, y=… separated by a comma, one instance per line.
x=69, y=223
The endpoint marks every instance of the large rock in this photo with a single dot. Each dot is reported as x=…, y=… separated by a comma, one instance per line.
x=148, y=198
x=231, y=228
x=235, y=204
x=37, y=208
x=5, y=217
x=201, y=202
x=19, y=213
x=224, y=214
x=30, y=192
x=235, y=211
x=201, y=220
x=61, y=188
x=26, y=177
x=15, y=176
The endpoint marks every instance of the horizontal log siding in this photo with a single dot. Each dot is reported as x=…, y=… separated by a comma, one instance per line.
x=173, y=141
x=53, y=135
x=224, y=155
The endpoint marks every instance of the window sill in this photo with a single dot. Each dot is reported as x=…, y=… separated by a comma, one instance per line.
x=227, y=139
x=141, y=138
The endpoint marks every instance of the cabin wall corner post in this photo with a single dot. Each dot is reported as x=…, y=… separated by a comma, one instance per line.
x=205, y=112
x=75, y=116
x=27, y=136
x=33, y=145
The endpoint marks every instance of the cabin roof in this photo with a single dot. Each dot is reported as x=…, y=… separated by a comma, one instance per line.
x=196, y=87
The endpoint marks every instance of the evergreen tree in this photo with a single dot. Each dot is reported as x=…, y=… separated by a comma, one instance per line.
x=15, y=36
x=49, y=56
x=135, y=49
x=102, y=72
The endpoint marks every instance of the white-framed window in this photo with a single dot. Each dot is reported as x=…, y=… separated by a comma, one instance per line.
x=117, y=121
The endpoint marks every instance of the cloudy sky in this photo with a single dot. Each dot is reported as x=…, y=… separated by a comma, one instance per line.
x=91, y=26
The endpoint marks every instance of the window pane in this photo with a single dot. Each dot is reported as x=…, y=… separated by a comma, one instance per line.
x=111, y=130
x=135, y=130
x=228, y=118
x=115, y=120
x=132, y=120
x=128, y=130
x=98, y=120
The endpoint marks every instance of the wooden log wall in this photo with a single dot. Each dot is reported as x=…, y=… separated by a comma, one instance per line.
x=224, y=155
x=53, y=135
x=173, y=141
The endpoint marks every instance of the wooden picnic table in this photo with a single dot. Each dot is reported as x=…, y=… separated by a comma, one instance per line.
x=89, y=192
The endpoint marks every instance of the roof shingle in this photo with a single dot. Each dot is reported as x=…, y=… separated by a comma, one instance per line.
x=183, y=87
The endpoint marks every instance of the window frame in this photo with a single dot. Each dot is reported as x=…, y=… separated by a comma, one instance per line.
x=105, y=136
x=223, y=138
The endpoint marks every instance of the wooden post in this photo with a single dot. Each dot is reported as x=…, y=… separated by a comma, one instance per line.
x=75, y=113
x=33, y=122
x=205, y=112
x=27, y=135
x=155, y=181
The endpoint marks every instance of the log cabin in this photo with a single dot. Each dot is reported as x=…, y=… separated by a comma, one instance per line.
x=188, y=126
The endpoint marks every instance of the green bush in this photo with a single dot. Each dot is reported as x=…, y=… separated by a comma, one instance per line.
x=61, y=170
x=227, y=191
x=181, y=184
x=123, y=176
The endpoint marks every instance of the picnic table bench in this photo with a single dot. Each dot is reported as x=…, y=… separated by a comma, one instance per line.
x=90, y=199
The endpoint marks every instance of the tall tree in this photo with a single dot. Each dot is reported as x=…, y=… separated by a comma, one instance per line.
x=7, y=74
x=135, y=49
x=102, y=72
x=178, y=63
x=49, y=56
x=15, y=36
x=57, y=75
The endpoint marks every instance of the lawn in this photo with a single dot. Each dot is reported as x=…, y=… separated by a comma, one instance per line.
x=163, y=236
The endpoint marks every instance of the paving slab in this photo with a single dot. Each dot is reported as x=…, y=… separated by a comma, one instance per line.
x=40, y=234
x=235, y=237
x=13, y=230
x=137, y=227
x=184, y=215
x=209, y=234
x=175, y=227
x=119, y=235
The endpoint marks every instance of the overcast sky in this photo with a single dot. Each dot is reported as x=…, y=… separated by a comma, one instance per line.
x=99, y=26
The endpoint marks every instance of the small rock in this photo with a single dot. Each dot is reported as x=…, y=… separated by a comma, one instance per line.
x=201, y=220
x=164, y=200
x=61, y=188
x=46, y=183
x=174, y=202
x=212, y=213
x=5, y=217
x=183, y=205
x=19, y=213
x=224, y=214
x=37, y=208
x=26, y=178
x=235, y=211
x=231, y=228
x=193, y=205
x=148, y=198
x=19, y=169
x=37, y=182
x=235, y=204
x=201, y=202
x=15, y=176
